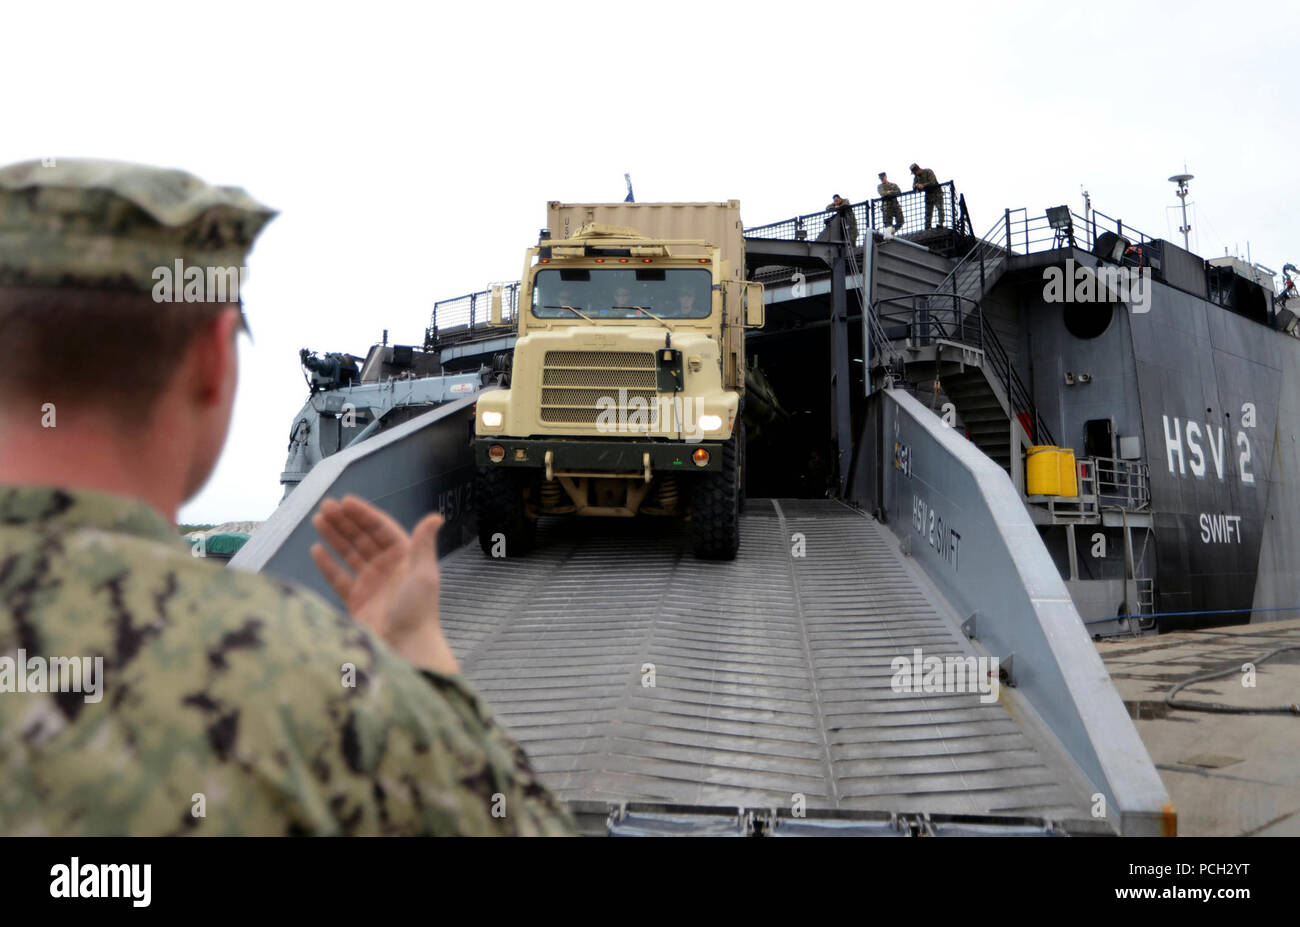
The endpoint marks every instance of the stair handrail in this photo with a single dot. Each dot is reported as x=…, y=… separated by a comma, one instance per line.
x=962, y=329
x=977, y=260
x=978, y=251
x=878, y=337
x=1022, y=401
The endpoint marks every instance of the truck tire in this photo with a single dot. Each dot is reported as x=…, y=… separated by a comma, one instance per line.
x=715, y=508
x=503, y=523
x=743, y=451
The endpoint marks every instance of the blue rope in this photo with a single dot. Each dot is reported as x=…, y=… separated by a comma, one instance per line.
x=1220, y=611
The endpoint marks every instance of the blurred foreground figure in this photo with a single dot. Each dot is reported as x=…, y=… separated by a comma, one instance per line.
x=142, y=689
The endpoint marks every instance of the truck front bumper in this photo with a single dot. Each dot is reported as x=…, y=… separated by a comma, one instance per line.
x=596, y=457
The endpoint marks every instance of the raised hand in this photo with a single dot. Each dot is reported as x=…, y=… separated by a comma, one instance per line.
x=390, y=582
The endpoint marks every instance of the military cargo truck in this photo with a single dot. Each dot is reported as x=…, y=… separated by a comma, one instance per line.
x=624, y=393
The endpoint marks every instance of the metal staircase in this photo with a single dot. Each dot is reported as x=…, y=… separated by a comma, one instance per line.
x=944, y=340
x=982, y=412
x=976, y=273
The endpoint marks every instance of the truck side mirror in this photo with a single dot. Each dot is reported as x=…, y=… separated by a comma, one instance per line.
x=754, y=310
x=494, y=317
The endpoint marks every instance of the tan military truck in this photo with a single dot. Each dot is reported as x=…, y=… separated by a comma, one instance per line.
x=624, y=393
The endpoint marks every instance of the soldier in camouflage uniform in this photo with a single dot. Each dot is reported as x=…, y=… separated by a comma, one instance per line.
x=924, y=179
x=228, y=703
x=849, y=222
x=889, y=192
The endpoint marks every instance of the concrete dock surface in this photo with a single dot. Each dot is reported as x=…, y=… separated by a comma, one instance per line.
x=1227, y=774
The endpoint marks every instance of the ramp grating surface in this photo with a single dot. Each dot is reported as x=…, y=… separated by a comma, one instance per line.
x=771, y=673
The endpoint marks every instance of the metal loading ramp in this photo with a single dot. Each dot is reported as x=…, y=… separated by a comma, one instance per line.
x=771, y=673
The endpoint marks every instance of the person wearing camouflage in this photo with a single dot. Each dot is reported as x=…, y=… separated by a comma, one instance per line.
x=220, y=703
x=889, y=192
x=843, y=210
x=924, y=179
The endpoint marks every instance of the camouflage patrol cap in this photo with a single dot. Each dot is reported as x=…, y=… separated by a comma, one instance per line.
x=89, y=223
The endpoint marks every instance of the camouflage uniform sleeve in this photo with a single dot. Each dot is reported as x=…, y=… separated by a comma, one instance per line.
x=544, y=815
x=413, y=752
x=234, y=704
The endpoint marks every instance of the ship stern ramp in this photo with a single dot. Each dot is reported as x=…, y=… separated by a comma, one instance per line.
x=933, y=482
x=422, y=465
x=657, y=693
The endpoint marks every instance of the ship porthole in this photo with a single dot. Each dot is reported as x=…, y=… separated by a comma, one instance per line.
x=1088, y=320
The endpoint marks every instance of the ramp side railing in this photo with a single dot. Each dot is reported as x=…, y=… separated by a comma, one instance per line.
x=980, y=547
x=419, y=466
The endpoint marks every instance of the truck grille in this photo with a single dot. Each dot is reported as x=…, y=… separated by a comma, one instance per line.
x=575, y=382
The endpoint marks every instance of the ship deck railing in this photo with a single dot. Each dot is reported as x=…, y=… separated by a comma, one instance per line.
x=465, y=318
x=1122, y=483
x=871, y=215
x=1103, y=483
x=922, y=319
x=926, y=319
x=1022, y=233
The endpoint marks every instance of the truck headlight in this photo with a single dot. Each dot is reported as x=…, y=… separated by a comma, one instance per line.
x=710, y=422
x=494, y=419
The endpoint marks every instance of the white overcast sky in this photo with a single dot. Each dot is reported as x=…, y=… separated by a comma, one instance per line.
x=411, y=149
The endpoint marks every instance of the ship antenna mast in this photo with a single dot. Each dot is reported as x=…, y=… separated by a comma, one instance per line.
x=1181, y=180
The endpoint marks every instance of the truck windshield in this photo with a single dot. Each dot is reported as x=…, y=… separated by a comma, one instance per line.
x=616, y=292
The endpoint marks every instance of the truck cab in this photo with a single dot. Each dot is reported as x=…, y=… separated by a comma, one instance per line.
x=624, y=394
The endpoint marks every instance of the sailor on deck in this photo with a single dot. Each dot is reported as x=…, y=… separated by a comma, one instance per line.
x=888, y=192
x=842, y=209
x=924, y=179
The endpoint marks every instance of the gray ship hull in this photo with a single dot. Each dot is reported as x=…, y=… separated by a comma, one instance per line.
x=1212, y=396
